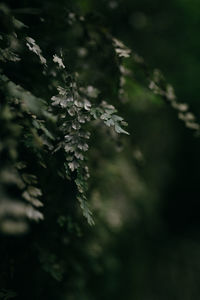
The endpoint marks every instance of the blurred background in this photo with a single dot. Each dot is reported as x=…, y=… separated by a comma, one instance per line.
x=144, y=189
x=152, y=189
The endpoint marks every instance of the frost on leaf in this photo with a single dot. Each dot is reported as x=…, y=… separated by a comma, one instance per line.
x=120, y=49
x=63, y=98
x=86, y=210
x=159, y=86
x=17, y=211
x=33, y=47
x=106, y=113
x=31, y=195
x=59, y=61
x=73, y=165
x=8, y=55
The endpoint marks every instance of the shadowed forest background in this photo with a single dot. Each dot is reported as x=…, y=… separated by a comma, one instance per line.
x=72, y=73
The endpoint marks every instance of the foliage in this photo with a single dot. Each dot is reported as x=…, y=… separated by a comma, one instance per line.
x=60, y=126
x=68, y=85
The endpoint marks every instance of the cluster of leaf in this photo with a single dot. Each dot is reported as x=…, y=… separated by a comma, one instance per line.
x=156, y=83
x=44, y=126
x=17, y=182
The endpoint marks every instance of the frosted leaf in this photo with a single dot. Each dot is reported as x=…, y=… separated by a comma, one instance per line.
x=189, y=116
x=117, y=118
x=87, y=104
x=118, y=129
x=183, y=107
x=34, y=214
x=73, y=165
x=8, y=55
x=85, y=135
x=107, y=106
x=59, y=61
x=69, y=148
x=62, y=101
x=9, y=226
x=192, y=125
x=94, y=113
x=71, y=111
x=120, y=49
x=152, y=85
x=155, y=88
x=69, y=157
x=85, y=209
x=78, y=103
x=59, y=101
x=170, y=93
x=87, y=117
x=86, y=169
x=33, y=47
x=124, y=70
x=34, y=191
x=180, y=106
x=29, y=178
x=83, y=146
x=118, y=43
x=68, y=137
x=81, y=118
x=80, y=186
x=76, y=125
x=109, y=122
x=79, y=155
x=122, y=52
x=61, y=90
x=34, y=201
x=105, y=116
x=122, y=81
x=12, y=208
x=10, y=175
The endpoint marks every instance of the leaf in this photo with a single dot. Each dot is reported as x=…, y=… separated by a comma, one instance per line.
x=34, y=201
x=59, y=61
x=34, y=214
x=109, y=122
x=18, y=24
x=73, y=165
x=118, y=129
x=33, y=47
x=8, y=54
x=29, y=102
x=120, y=49
x=86, y=210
